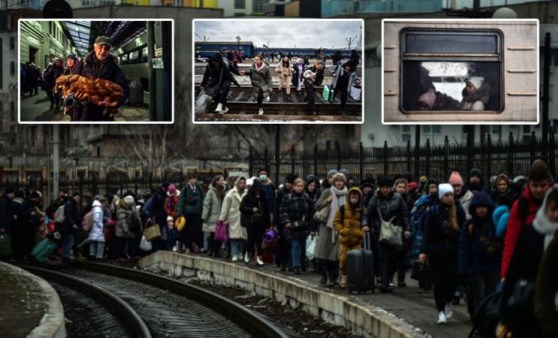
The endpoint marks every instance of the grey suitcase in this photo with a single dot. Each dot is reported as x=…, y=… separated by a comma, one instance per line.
x=360, y=269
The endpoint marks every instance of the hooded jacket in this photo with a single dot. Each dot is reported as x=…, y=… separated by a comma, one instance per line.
x=107, y=69
x=250, y=201
x=391, y=206
x=96, y=233
x=298, y=210
x=230, y=212
x=480, y=249
x=211, y=209
x=348, y=222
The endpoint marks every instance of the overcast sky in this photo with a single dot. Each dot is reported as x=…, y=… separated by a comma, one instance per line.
x=311, y=34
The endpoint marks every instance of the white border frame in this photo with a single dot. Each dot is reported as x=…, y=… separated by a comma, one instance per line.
x=95, y=122
x=362, y=58
x=480, y=122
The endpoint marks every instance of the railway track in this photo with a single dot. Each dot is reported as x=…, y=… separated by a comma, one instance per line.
x=166, y=307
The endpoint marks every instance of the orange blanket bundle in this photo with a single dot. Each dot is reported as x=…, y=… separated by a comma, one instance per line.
x=98, y=91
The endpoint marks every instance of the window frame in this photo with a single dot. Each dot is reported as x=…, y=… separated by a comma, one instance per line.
x=449, y=57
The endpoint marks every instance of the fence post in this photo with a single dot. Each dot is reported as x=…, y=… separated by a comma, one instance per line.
x=361, y=162
x=266, y=162
x=385, y=157
x=551, y=152
x=417, y=157
x=316, y=159
x=446, y=157
x=293, y=161
x=489, y=155
x=409, y=156
x=510, y=154
x=427, y=158
x=250, y=159
x=136, y=182
x=338, y=154
x=533, y=147
x=470, y=152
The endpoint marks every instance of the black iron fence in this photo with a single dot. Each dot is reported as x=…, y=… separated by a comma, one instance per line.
x=512, y=157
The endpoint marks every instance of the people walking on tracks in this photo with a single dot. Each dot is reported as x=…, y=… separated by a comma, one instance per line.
x=262, y=83
x=327, y=247
x=50, y=74
x=347, y=223
x=440, y=244
x=216, y=82
x=298, y=75
x=386, y=206
x=313, y=76
x=343, y=79
x=212, y=204
x=296, y=213
x=190, y=206
x=285, y=72
x=255, y=217
x=230, y=215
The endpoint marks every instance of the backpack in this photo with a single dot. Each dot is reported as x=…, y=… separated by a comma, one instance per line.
x=87, y=221
x=59, y=216
x=486, y=317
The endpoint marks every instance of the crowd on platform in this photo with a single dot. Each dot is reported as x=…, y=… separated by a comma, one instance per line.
x=491, y=244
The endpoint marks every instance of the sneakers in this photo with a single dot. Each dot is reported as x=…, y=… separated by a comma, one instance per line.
x=343, y=281
x=448, y=311
x=297, y=271
x=246, y=258
x=225, y=110
x=442, y=318
x=259, y=260
x=260, y=111
x=323, y=280
x=219, y=108
x=234, y=258
x=267, y=99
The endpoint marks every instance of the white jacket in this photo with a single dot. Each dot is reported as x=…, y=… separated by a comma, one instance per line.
x=96, y=233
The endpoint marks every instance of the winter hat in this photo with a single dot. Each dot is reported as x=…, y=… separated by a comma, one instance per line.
x=475, y=172
x=443, y=189
x=170, y=219
x=129, y=200
x=412, y=186
x=331, y=173
x=428, y=98
x=385, y=181
x=172, y=188
x=9, y=190
x=35, y=194
x=344, y=172
x=502, y=177
x=539, y=171
x=423, y=179
x=518, y=179
x=476, y=81
x=432, y=183
x=291, y=178
x=455, y=178
x=339, y=176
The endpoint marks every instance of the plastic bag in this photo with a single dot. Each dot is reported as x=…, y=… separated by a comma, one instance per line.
x=202, y=102
x=310, y=247
x=221, y=231
x=145, y=245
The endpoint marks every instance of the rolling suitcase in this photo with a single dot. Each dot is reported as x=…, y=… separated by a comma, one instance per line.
x=360, y=269
x=43, y=249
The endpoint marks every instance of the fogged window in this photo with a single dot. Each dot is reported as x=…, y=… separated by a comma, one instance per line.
x=451, y=70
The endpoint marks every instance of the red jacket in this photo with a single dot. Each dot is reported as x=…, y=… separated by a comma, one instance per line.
x=515, y=223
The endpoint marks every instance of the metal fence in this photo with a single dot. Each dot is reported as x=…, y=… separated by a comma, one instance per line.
x=512, y=157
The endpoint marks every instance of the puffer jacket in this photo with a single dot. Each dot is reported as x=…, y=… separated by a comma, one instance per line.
x=96, y=233
x=211, y=209
x=124, y=222
x=348, y=222
x=298, y=210
x=391, y=206
x=261, y=79
x=191, y=201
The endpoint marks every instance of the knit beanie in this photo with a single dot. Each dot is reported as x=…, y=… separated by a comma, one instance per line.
x=170, y=219
x=172, y=188
x=455, y=178
x=412, y=186
x=290, y=178
x=338, y=177
x=129, y=200
x=475, y=172
x=331, y=173
x=443, y=189
x=476, y=81
x=385, y=181
x=539, y=171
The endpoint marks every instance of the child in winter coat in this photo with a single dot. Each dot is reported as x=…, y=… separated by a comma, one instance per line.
x=347, y=222
x=170, y=234
x=96, y=235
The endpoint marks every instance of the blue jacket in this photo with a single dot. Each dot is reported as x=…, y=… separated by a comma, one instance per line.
x=480, y=249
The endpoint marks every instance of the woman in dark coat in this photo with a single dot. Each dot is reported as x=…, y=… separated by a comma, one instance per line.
x=524, y=267
x=217, y=81
x=440, y=243
x=255, y=218
x=546, y=290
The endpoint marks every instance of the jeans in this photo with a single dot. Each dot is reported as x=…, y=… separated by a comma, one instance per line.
x=67, y=244
x=237, y=246
x=483, y=283
x=296, y=252
x=96, y=249
x=311, y=99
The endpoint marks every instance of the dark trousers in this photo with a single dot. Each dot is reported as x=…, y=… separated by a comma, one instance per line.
x=222, y=94
x=329, y=267
x=344, y=95
x=214, y=246
x=124, y=247
x=255, y=239
x=282, y=256
x=260, y=98
x=311, y=97
x=402, y=264
x=483, y=284
x=443, y=269
x=387, y=260
x=192, y=232
x=53, y=97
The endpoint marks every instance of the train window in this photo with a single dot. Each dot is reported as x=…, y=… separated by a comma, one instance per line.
x=134, y=56
x=124, y=58
x=451, y=70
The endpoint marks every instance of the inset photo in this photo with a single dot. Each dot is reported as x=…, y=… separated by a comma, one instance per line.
x=278, y=71
x=96, y=71
x=460, y=71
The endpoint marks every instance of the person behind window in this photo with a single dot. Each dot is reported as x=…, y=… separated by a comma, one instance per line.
x=475, y=94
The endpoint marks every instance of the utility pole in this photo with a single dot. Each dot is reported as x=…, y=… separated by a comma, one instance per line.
x=546, y=96
x=55, y=160
x=349, y=41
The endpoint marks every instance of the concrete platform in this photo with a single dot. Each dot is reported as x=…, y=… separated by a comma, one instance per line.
x=29, y=306
x=405, y=313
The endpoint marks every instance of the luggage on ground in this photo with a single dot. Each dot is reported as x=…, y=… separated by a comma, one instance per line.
x=43, y=249
x=360, y=268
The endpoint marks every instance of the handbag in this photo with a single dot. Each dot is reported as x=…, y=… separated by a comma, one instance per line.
x=311, y=247
x=389, y=232
x=152, y=232
x=221, y=231
x=145, y=245
x=520, y=304
x=202, y=102
x=320, y=216
x=327, y=94
x=419, y=270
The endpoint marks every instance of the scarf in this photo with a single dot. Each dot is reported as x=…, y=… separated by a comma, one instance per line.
x=543, y=225
x=339, y=197
x=260, y=68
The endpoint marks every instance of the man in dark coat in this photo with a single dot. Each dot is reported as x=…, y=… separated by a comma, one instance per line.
x=282, y=255
x=51, y=73
x=72, y=221
x=101, y=64
x=190, y=205
x=255, y=217
x=7, y=211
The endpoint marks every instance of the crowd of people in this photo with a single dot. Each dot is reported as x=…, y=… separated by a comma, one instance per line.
x=293, y=72
x=461, y=238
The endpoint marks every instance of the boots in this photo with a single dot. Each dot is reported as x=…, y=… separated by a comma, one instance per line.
x=323, y=280
x=219, y=108
x=343, y=281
